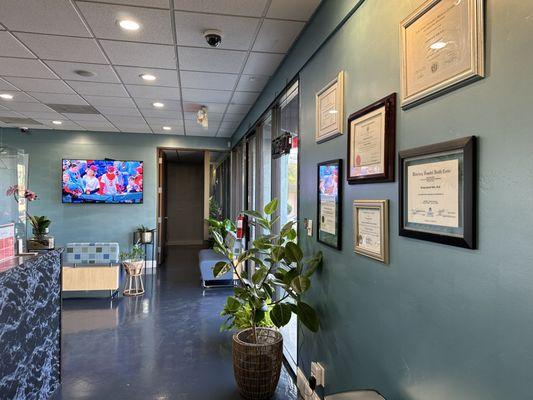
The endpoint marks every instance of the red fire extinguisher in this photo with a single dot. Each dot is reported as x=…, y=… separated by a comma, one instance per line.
x=242, y=225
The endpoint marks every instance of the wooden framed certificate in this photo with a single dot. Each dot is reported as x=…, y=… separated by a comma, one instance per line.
x=330, y=110
x=371, y=229
x=442, y=48
x=329, y=208
x=371, y=142
x=437, y=192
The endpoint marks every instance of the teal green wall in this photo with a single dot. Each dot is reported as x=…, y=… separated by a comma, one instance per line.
x=94, y=222
x=439, y=322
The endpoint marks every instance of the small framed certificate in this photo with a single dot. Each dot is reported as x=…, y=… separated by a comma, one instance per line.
x=330, y=110
x=371, y=229
x=329, y=209
x=371, y=142
x=438, y=192
x=442, y=48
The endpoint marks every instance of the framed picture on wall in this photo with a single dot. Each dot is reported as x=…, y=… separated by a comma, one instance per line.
x=442, y=48
x=329, y=203
x=371, y=229
x=330, y=110
x=371, y=142
x=438, y=192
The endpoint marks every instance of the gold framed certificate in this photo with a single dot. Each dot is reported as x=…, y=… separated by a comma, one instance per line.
x=437, y=192
x=330, y=110
x=442, y=48
x=371, y=229
x=371, y=142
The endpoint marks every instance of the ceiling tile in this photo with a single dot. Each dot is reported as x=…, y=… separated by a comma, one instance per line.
x=170, y=105
x=244, y=98
x=140, y=54
x=110, y=101
x=11, y=47
x=237, y=32
x=6, y=86
x=44, y=115
x=234, y=117
x=23, y=107
x=156, y=113
x=238, y=108
x=98, y=126
x=226, y=133
x=8, y=113
x=42, y=16
x=175, y=131
x=207, y=80
x=164, y=77
x=98, y=89
x=134, y=128
x=153, y=3
x=18, y=96
x=58, y=98
x=103, y=18
x=218, y=108
x=63, y=48
x=41, y=85
x=210, y=60
x=203, y=95
x=154, y=92
x=277, y=36
x=253, y=8
x=165, y=121
x=65, y=70
x=85, y=117
x=106, y=110
x=215, y=117
x=294, y=9
x=123, y=120
x=252, y=83
x=24, y=68
x=262, y=63
x=229, y=125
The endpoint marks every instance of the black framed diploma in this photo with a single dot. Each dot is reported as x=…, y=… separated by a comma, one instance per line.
x=437, y=196
x=371, y=229
x=371, y=142
x=329, y=203
x=442, y=48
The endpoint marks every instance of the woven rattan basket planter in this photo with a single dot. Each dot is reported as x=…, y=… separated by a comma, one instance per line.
x=257, y=366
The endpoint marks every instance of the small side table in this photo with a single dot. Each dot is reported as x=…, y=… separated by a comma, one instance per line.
x=134, y=281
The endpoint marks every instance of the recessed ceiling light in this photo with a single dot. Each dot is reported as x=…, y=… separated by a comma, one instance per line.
x=57, y=122
x=148, y=77
x=158, y=104
x=251, y=78
x=6, y=96
x=129, y=25
x=167, y=128
x=333, y=111
x=438, y=45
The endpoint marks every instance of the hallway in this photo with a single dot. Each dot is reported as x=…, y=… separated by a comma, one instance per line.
x=163, y=345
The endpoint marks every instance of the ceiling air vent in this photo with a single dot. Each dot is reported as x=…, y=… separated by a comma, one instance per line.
x=19, y=121
x=73, y=109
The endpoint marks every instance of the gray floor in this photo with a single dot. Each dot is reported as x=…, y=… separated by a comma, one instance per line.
x=163, y=345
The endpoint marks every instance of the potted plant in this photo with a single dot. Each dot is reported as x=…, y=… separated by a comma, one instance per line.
x=253, y=310
x=40, y=240
x=133, y=262
x=145, y=235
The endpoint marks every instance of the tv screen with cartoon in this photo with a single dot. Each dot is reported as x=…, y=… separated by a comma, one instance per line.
x=102, y=181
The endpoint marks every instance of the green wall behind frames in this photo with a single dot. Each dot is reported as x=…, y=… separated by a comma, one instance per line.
x=95, y=222
x=439, y=322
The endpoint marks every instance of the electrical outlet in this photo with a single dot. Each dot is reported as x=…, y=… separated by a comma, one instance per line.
x=319, y=372
x=309, y=226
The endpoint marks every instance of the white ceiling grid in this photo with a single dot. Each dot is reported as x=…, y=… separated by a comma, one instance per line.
x=43, y=43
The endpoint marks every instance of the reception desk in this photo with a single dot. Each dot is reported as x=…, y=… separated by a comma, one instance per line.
x=30, y=326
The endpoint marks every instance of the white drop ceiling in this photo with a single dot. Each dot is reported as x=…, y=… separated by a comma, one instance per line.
x=43, y=43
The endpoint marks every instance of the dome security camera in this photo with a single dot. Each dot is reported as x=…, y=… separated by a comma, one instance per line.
x=213, y=37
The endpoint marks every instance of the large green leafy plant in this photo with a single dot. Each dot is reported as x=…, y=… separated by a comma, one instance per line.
x=278, y=263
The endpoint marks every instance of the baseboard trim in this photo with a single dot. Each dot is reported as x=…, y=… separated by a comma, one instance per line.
x=304, y=389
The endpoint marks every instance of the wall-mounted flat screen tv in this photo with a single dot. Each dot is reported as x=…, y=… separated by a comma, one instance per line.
x=102, y=181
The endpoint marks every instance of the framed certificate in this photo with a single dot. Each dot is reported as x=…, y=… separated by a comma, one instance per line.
x=371, y=229
x=442, y=48
x=438, y=192
x=329, y=209
x=330, y=110
x=371, y=142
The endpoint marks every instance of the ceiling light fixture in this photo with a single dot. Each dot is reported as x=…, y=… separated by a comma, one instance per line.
x=438, y=45
x=157, y=104
x=6, y=96
x=129, y=25
x=57, y=122
x=167, y=128
x=148, y=77
x=333, y=111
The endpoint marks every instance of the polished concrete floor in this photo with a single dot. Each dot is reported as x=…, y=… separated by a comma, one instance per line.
x=163, y=345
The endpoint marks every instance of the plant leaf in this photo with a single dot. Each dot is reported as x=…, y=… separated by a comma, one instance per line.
x=252, y=213
x=300, y=284
x=259, y=275
x=313, y=263
x=220, y=268
x=281, y=314
x=293, y=253
x=271, y=207
x=308, y=316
